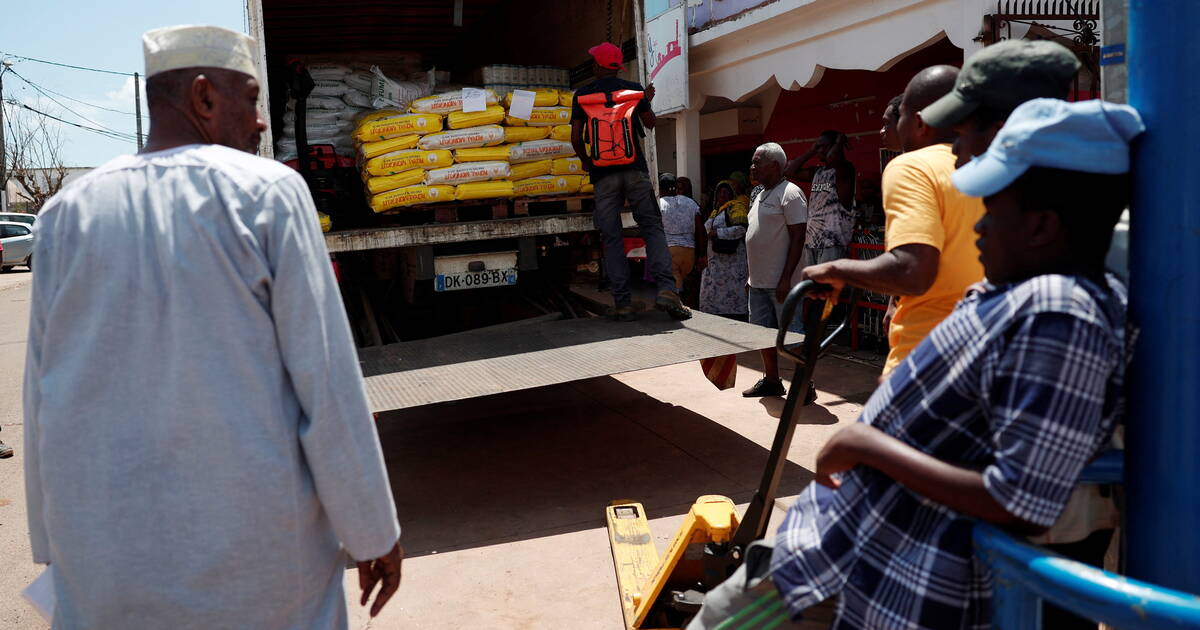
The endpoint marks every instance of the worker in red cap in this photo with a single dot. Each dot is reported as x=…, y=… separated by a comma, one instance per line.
x=623, y=178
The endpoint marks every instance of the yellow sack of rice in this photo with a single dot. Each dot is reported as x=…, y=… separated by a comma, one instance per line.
x=400, y=161
x=469, y=172
x=411, y=196
x=462, y=120
x=482, y=154
x=547, y=185
x=484, y=190
x=446, y=103
x=542, y=117
x=567, y=166
x=586, y=187
x=397, y=125
x=485, y=136
x=542, y=97
x=539, y=150
x=377, y=114
x=525, y=170
x=559, y=132
x=369, y=150
x=566, y=99
x=376, y=185
x=525, y=134
x=326, y=222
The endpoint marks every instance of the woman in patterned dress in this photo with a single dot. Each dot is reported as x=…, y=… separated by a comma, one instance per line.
x=723, y=285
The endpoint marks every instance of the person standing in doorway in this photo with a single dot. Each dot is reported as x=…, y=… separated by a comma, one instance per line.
x=888, y=138
x=831, y=200
x=681, y=221
x=616, y=185
x=723, y=285
x=774, y=245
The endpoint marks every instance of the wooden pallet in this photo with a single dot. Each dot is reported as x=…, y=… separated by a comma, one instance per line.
x=574, y=202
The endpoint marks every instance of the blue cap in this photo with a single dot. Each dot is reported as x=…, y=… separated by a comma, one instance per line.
x=1088, y=136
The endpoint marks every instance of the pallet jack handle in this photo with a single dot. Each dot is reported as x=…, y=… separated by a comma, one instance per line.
x=753, y=525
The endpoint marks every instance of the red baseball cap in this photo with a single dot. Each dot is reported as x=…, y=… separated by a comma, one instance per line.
x=608, y=56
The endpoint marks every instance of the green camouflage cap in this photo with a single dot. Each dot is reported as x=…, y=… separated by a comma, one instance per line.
x=1002, y=76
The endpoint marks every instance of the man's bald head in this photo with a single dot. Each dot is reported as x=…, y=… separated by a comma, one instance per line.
x=929, y=85
x=926, y=87
x=203, y=106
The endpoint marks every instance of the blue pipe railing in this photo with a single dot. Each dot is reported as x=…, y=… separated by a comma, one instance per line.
x=1023, y=575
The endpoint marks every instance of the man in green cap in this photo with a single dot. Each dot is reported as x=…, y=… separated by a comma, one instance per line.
x=992, y=83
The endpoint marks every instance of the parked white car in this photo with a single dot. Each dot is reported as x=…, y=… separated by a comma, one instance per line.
x=17, y=239
x=19, y=217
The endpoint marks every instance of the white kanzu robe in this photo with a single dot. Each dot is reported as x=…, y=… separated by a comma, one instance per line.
x=198, y=444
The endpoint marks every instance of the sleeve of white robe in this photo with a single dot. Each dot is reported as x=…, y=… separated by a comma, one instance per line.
x=32, y=396
x=337, y=434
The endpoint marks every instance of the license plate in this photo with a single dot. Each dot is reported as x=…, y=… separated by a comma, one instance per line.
x=475, y=279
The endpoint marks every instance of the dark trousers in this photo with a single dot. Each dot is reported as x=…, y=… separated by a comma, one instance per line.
x=612, y=190
x=1091, y=551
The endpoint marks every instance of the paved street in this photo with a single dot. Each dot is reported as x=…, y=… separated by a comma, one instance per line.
x=501, y=498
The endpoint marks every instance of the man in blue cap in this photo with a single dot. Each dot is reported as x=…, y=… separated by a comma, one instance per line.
x=991, y=418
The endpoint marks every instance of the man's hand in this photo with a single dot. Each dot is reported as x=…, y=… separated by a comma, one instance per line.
x=844, y=451
x=825, y=273
x=782, y=289
x=649, y=92
x=385, y=571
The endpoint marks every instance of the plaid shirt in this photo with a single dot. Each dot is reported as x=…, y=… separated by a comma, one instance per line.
x=1024, y=383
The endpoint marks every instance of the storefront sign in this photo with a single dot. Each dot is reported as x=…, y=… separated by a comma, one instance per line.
x=666, y=60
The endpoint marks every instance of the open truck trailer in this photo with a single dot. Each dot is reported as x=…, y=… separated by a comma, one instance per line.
x=428, y=335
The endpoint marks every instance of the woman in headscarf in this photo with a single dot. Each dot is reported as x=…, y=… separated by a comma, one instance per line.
x=723, y=285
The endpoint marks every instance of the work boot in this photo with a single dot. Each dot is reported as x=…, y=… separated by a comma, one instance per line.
x=625, y=313
x=765, y=388
x=669, y=301
x=5, y=451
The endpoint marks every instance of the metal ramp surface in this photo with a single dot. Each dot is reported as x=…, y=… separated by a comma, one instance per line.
x=520, y=356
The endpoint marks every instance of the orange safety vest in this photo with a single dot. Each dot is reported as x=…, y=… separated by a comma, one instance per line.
x=610, y=126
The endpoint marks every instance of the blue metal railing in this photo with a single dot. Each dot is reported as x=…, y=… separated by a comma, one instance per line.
x=1023, y=575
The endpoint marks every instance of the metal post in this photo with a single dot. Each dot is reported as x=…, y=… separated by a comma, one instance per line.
x=137, y=107
x=3, y=151
x=1164, y=428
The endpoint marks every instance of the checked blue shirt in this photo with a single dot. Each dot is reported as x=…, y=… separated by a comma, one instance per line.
x=1024, y=383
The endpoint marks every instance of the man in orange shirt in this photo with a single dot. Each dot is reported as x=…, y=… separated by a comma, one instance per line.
x=931, y=256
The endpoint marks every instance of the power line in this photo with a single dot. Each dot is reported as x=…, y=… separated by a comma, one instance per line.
x=70, y=98
x=56, y=102
x=114, y=135
x=67, y=65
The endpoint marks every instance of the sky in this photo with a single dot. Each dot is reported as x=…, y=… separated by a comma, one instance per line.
x=105, y=34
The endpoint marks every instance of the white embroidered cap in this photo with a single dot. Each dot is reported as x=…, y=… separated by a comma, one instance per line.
x=188, y=46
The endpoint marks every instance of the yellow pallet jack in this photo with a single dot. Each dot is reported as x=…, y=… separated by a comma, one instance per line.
x=662, y=594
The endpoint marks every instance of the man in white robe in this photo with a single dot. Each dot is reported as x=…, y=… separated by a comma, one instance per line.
x=199, y=450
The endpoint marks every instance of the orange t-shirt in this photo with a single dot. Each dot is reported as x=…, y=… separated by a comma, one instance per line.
x=921, y=205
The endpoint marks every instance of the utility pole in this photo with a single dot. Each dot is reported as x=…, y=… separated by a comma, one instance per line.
x=137, y=107
x=3, y=152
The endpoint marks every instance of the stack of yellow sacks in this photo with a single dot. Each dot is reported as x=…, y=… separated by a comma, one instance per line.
x=437, y=152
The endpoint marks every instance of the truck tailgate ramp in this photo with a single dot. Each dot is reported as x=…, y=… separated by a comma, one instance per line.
x=514, y=357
